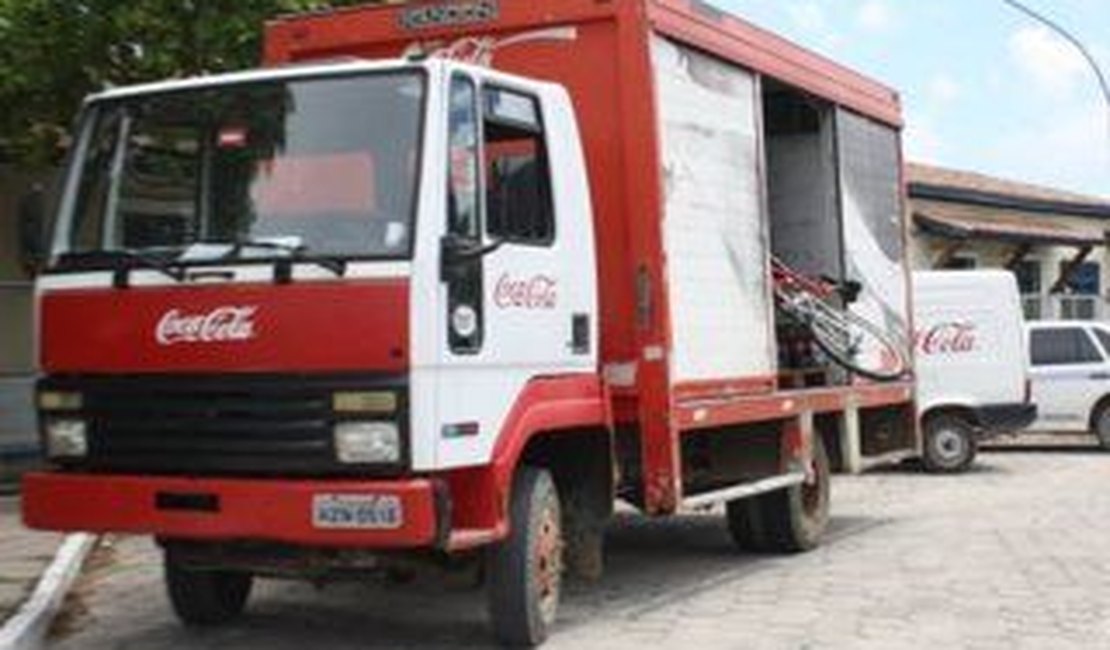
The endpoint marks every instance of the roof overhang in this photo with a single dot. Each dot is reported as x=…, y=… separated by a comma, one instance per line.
x=959, y=222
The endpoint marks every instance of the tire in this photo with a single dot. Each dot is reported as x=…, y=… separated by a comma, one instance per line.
x=202, y=597
x=525, y=570
x=745, y=524
x=1100, y=425
x=791, y=520
x=950, y=444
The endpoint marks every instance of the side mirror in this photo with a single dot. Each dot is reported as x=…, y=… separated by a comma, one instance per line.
x=33, y=238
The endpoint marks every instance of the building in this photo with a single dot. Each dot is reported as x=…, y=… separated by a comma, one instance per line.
x=17, y=364
x=1054, y=241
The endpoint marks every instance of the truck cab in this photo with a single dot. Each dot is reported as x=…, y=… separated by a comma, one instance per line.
x=323, y=273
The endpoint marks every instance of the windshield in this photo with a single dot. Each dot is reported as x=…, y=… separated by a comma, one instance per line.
x=324, y=166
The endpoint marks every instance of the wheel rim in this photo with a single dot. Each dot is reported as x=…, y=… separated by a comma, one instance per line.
x=548, y=563
x=949, y=445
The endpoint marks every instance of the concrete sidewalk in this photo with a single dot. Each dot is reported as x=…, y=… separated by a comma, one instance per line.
x=24, y=555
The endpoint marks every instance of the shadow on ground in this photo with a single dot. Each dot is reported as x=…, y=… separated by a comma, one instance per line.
x=650, y=564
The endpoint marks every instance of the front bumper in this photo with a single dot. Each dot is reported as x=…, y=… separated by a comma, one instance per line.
x=229, y=509
x=994, y=419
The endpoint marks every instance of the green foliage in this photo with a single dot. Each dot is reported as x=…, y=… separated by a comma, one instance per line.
x=55, y=52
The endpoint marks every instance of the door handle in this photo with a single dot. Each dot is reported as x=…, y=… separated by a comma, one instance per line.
x=1099, y=375
x=580, y=334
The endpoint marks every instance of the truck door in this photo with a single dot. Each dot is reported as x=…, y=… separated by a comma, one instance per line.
x=514, y=304
x=1068, y=374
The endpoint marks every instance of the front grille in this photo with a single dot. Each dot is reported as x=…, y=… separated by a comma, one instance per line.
x=253, y=425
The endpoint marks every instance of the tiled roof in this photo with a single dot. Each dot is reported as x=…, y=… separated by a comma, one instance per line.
x=929, y=175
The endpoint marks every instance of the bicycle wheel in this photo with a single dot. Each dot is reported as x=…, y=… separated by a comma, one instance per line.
x=851, y=341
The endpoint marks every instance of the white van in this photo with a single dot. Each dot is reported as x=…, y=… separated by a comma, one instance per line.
x=1071, y=377
x=971, y=361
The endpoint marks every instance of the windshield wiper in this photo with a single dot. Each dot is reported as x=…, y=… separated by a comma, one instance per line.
x=121, y=275
x=283, y=266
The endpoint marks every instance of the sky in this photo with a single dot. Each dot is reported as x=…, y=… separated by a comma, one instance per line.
x=984, y=88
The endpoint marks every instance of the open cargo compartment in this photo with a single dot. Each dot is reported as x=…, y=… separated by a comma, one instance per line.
x=834, y=207
x=754, y=168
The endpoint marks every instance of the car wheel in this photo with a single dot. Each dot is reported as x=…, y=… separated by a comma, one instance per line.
x=1101, y=426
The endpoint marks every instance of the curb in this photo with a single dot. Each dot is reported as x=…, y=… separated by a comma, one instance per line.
x=27, y=629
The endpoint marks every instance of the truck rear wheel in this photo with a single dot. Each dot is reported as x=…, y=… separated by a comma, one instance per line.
x=202, y=597
x=525, y=570
x=949, y=444
x=785, y=521
x=745, y=524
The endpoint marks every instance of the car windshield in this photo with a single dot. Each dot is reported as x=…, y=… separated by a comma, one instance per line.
x=321, y=166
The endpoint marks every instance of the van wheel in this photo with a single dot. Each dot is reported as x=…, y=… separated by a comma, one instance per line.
x=525, y=570
x=1101, y=427
x=950, y=444
x=785, y=521
x=202, y=597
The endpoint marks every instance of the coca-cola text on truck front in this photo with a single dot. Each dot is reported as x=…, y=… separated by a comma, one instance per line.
x=316, y=319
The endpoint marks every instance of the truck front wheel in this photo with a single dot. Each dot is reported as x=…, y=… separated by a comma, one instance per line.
x=202, y=597
x=785, y=521
x=949, y=444
x=525, y=570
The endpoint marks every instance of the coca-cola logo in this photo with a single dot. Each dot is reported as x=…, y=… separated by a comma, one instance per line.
x=952, y=337
x=537, y=292
x=222, y=324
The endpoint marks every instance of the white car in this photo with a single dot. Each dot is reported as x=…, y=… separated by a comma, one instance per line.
x=971, y=363
x=1071, y=376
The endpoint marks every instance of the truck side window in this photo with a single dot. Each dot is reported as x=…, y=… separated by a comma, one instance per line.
x=1062, y=346
x=518, y=180
x=464, y=297
x=462, y=176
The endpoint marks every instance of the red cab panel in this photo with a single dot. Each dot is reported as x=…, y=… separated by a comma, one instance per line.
x=299, y=327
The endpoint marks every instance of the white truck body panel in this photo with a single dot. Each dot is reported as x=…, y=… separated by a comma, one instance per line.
x=969, y=342
x=715, y=233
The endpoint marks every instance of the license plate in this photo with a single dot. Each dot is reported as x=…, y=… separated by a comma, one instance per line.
x=357, y=511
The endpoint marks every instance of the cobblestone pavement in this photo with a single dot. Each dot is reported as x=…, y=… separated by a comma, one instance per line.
x=23, y=557
x=1015, y=554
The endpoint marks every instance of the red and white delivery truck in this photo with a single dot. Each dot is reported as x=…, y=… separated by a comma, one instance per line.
x=444, y=281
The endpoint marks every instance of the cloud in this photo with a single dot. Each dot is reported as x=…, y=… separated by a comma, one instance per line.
x=922, y=141
x=810, y=18
x=1050, y=61
x=1069, y=149
x=942, y=90
x=875, y=16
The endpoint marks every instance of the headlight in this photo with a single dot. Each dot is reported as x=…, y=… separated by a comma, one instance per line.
x=367, y=442
x=66, y=439
x=53, y=400
x=371, y=401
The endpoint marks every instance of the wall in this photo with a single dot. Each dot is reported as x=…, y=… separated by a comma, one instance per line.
x=988, y=254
